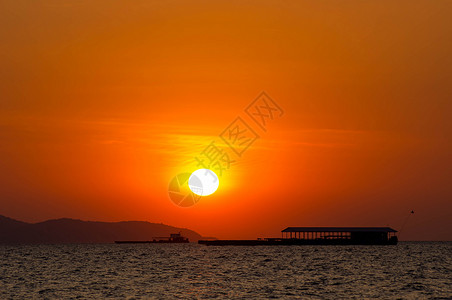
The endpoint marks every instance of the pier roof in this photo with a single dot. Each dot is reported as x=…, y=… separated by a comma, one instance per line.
x=338, y=229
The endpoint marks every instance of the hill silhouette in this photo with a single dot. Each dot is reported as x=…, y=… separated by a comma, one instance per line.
x=78, y=231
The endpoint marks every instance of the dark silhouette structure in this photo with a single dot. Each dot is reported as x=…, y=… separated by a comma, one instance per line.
x=320, y=236
x=174, y=238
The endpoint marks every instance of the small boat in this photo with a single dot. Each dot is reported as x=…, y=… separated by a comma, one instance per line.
x=174, y=238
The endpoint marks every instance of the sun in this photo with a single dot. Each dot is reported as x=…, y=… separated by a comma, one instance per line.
x=203, y=182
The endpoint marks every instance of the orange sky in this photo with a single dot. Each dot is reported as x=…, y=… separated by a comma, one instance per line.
x=103, y=102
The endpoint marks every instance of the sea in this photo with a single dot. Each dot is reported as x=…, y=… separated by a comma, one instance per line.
x=410, y=270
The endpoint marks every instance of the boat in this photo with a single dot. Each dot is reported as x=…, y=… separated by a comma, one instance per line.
x=319, y=236
x=174, y=238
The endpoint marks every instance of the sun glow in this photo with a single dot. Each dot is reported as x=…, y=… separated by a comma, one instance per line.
x=203, y=182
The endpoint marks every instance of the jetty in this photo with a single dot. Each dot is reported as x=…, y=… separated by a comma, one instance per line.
x=319, y=236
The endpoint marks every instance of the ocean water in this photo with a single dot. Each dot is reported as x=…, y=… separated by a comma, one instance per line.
x=414, y=270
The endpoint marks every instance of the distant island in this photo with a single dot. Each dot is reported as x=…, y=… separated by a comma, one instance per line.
x=78, y=231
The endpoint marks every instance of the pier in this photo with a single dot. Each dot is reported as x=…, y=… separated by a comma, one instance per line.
x=319, y=236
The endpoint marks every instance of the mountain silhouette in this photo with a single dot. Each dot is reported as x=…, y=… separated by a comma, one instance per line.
x=78, y=231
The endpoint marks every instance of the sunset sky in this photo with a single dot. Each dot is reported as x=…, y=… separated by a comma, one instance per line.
x=103, y=102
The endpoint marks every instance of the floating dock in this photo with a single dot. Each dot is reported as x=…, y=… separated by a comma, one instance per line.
x=319, y=236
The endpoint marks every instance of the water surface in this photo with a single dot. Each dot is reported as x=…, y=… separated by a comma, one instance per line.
x=408, y=270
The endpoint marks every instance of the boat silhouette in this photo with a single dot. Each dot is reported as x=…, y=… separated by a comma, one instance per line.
x=174, y=238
